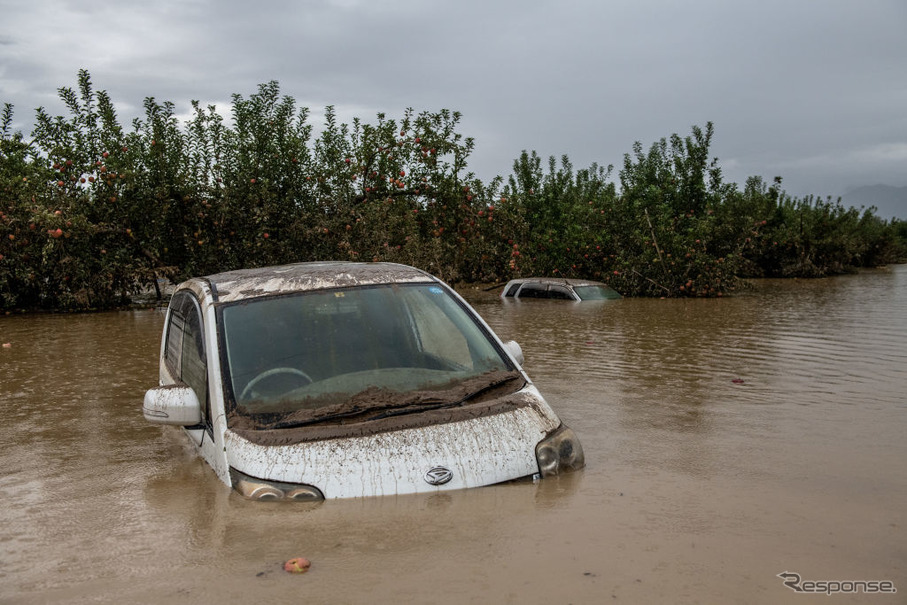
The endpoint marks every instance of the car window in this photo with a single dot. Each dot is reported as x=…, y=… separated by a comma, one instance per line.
x=559, y=292
x=554, y=291
x=338, y=343
x=438, y=335
x=185, y=348
x=533, y=291
x=512, y=290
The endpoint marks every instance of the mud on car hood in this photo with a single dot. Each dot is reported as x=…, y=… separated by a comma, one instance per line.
x=482, y=444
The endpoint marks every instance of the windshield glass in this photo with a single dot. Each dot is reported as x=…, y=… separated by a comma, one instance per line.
x=339, y=353
x=595, y=292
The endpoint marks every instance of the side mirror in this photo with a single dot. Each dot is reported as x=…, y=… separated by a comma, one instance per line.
x=173, y=404
x=515, y=350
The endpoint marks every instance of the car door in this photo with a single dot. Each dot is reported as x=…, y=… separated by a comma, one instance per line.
x=186, y=360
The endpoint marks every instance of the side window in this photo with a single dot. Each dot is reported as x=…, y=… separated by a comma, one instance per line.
x=533, y=291
x=511, y=291
x=559, y=292
x=185, y=350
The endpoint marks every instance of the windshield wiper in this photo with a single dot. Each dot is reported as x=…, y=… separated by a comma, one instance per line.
x=409, y=407
x=421, y=407
x=355, y=411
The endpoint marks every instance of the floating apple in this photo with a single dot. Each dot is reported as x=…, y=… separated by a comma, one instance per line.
x=297, y=565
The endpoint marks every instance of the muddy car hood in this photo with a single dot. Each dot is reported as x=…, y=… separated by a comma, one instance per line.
x=480, y=444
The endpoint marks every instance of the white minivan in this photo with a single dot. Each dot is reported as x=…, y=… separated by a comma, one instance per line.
x=337, y=380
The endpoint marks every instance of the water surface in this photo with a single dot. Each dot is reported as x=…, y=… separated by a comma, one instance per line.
x=726, y=441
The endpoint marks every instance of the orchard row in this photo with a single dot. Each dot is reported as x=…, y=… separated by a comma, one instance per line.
x=92, y=212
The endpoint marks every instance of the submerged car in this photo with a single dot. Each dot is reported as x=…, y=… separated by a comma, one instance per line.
x=336, y=380
x=558, y=288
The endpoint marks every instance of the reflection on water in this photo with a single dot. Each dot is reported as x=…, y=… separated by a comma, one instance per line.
x=726, y=441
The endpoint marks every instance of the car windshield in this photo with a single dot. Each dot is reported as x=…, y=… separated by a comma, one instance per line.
x=331, y=354
x=595, y=292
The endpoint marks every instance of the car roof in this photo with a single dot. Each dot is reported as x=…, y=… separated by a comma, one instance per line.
x=562, y=281
x=244, y=284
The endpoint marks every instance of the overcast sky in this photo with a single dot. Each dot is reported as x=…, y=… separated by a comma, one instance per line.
x=814, y=91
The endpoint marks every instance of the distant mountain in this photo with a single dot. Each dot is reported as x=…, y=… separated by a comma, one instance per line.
x=891, y=202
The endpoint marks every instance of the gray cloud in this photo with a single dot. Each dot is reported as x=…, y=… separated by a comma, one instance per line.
x=813, y=92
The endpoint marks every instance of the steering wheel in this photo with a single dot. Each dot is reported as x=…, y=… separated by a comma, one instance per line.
x=274, y=372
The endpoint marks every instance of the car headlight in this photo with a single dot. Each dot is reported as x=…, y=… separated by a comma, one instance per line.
x=559, y=452
x=259, y=489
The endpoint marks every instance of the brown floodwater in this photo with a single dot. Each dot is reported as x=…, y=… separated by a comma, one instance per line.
x=726, y=441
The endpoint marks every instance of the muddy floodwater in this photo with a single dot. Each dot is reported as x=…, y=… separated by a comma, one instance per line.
x=727, y=441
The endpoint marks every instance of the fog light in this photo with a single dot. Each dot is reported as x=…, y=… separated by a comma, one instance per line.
x=559, y=452
x=259, y=489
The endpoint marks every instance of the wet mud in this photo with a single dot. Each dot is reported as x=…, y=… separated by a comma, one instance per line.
x=252, y=283
x=726, y=442
x=376, y=411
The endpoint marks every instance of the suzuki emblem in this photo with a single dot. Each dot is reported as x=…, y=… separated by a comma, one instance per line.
x=438, y=475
